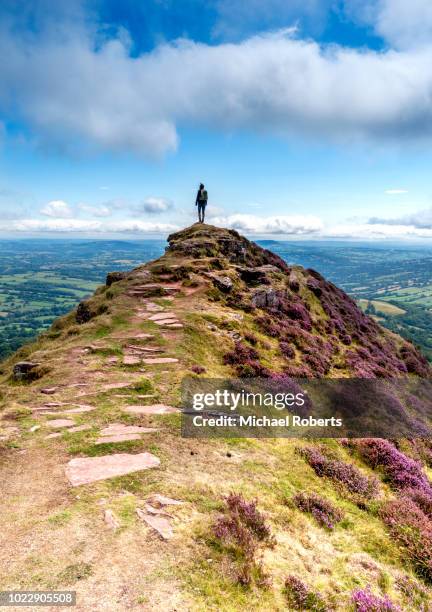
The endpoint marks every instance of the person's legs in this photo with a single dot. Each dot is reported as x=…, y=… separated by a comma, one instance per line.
x=203, y=211
x=200, y=212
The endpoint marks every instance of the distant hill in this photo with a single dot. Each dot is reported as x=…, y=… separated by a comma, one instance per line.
x=101, y=495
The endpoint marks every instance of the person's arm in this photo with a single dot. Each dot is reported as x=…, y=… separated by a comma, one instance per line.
x=197, y=198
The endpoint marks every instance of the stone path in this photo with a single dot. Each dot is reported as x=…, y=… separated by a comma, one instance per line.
x=150, y=360
x=117, y=432
x=57, y=423
x=85, y=470
x=152, y=409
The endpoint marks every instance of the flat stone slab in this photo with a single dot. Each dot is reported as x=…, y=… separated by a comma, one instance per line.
x=112, y=359
x=131, y=360
x=85, y=470
x=119, y=429
x=53, y=435
x=152, y=307
x=175, y=325
x=153, y=409
x=161, y=322
x=79, y=428
x=159, y=523
x=163, y=315
x=49, y=390
x=117, y=438
x=78, y=410
x=60, y=423
x=161, y=500
x=110, y=386
x=150, y=360
x=143, y=349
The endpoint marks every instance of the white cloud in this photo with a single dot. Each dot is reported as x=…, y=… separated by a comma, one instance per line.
x=404, y=24
x=296, y=225
x=155, y=205
x=58, y=209
x=86, y=226
x=273, y=83
x=96, y=211
x=395, y=191
x=420, y=220
x=377, y=231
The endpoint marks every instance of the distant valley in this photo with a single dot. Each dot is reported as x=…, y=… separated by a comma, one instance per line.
x=43, y=279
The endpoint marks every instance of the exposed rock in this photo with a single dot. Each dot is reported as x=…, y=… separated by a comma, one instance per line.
x=152, y=409
x=25, y=370
x=53, y=435
x=152, y=307
x=162, y=315
x=84, y=470
x=80, y=408
x=111, y=519
x=268, y=297
x=84, y=313
x=79, y=428
x=223, y=283
x=34, y=428
x=158, y=523
x=174, y=325
x=150, y=360
x=119, y=429
x=254, y=275
x=161, y=500
x=131, y=360
x=115, y=277
x=49, y=391
x=167, y=321
x=57, y=423
x=117, y=438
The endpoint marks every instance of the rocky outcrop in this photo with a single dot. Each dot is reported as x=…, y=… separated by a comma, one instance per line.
x=115, y=277
x=25, y=370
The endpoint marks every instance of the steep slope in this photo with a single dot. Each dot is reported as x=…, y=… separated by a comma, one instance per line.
x=104, y=382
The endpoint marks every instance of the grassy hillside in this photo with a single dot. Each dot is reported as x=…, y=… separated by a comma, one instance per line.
x=311, y=526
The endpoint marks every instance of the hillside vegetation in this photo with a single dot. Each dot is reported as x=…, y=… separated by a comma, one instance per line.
x=218, y=524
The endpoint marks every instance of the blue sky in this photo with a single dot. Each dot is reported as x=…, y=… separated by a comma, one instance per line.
x=305, y=119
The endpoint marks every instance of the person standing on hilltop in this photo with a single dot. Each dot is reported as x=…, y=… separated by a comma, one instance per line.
x=201, y=202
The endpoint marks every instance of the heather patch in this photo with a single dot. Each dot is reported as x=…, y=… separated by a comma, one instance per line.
x=344, y=473
x=300, y=596
x=412, y=529
x=321, y=509
x=365, y=601
x=244, y=534
x=400, y=471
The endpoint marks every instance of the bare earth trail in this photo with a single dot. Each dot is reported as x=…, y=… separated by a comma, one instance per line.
x=99, y=492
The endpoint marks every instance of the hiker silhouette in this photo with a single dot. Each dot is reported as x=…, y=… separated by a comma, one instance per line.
x=201, y=202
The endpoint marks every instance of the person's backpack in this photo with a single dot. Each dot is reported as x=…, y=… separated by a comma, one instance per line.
x=204, y=195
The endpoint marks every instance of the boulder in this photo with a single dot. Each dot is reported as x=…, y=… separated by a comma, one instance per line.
x=114, y=277
x=83, y=313
x=25, y=370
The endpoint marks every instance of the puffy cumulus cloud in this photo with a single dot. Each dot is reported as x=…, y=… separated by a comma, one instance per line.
x=95, y=211
x=403, y=24
x=295, y=225
x=58, y=209
x=86, y=226
x=155, y=205
x=420, y=220
x=70, y=89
